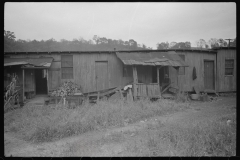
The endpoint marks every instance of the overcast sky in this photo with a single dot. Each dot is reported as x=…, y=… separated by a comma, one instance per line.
x=146, y=23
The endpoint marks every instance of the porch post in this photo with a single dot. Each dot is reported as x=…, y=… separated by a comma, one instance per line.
x=23, y=85
x=177, y=77
x=47, y=80
x=135, y=81
x=158, y=81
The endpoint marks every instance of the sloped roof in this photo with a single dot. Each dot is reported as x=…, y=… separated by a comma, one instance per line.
x=152, y=59
x=37, y=62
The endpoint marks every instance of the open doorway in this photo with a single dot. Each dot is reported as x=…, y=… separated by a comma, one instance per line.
x=162, y=72
x=41, y=81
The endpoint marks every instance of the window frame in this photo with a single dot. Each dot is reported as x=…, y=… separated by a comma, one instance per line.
x=66, y=67
x=225, y=67
x=183, y=68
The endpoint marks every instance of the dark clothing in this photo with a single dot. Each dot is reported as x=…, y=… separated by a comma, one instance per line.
x=194, y=76
x=166, y=80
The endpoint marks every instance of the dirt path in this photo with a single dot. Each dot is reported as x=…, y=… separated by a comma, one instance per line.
x=114, y=141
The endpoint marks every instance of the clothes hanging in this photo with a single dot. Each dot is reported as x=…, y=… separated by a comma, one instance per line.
x=194, y=76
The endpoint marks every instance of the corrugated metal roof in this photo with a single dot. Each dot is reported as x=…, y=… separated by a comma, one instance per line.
x=152, y=59
x=37, y=62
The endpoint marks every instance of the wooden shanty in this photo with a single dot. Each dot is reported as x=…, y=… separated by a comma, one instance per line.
x=42, y=72
x=226, y=69
x=146, y=66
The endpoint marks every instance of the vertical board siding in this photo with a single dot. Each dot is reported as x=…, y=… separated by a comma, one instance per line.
x=226, y=83
x=84, y=70
x=101, y=71
x=185, y=82
x=29, y=80
x=209, y=82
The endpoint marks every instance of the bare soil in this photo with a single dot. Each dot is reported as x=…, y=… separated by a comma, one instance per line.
x=117, y=141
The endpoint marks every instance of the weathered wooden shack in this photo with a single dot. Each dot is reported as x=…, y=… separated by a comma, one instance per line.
x=226, y=69
x=204, y=62
x=41, y=72
x=44, y=71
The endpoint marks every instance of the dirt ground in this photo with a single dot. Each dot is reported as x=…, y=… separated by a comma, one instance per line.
x=117, y=141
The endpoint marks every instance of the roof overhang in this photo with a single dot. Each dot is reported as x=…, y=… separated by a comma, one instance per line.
x=152, y=59
x=44, y=62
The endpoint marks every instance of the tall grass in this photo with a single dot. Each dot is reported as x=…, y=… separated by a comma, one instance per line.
x=209, y=138
x=49, y=123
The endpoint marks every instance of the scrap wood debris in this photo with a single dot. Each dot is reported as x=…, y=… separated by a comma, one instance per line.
x=66, y=89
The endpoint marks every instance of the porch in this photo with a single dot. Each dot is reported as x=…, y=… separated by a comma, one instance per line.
x=149, y=71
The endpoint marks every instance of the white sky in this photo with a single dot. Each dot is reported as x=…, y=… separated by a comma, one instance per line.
x=147, y=23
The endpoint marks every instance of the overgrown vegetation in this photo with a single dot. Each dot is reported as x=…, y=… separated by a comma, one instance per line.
x=49, y=123
x=207, y=138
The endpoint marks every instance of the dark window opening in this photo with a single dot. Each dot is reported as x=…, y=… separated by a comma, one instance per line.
x=154, y=74
x=229, y=67
x=182, y=69
x=67, y=66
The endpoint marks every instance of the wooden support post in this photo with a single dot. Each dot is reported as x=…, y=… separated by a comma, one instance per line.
x=23, y=85
x=47, y=81
x=177, y=77
x=98, y=96
x=135, y=81
x=158, y=80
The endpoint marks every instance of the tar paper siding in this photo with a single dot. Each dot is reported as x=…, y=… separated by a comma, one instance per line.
x=226, y=83
x=193, y=59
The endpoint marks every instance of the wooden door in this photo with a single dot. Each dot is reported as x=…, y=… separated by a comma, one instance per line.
x=54, y=78
x=209, y=81
x=101, y=74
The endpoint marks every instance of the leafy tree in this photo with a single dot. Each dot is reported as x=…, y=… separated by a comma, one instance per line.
x=144, y=46
x=187, y=44
x=213, y=42
x=201, y=43
x=96, y=39
x=172, y=44
x=9, y=40
x=233, y=43
x=222, y=43
x=163, y=45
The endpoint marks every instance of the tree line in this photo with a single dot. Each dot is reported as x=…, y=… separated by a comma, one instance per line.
x=201, y=43
x=98, y=44
x=95, y=44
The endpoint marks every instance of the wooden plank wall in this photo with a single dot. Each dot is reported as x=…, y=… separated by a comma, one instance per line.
x=29, y=80
x=185, y=82
x=84, y=70
x=226, y=83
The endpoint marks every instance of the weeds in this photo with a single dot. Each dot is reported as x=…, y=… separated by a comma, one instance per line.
x=204, y=139
x=49, y=123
